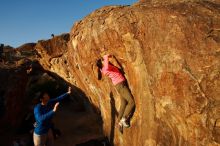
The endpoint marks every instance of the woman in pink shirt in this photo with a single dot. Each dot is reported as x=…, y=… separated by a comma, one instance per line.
x=119, y=81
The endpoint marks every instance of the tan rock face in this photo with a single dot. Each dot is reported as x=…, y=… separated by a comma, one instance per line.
x=174, y=1
x=171, y=59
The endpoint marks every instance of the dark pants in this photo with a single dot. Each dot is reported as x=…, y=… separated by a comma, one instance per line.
x=127, y=101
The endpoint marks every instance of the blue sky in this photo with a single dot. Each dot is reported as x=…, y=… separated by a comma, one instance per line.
x=24, y=21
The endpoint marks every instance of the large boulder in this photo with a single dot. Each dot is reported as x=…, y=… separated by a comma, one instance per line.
x=170, y=57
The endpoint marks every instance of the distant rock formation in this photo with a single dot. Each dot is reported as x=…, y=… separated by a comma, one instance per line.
x=27, y=47
x=175, y=1
x=170, y=56
x=52, y=55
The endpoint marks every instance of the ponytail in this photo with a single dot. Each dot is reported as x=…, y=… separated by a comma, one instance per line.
x=99, y=65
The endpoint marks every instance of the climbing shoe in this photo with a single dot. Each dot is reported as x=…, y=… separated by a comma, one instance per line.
x=124, y=123
x=120, y=127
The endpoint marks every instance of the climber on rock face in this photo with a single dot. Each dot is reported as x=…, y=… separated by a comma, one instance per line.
x=43, y=113
x=119, y=81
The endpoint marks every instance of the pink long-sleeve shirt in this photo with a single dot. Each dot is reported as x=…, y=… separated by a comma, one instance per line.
x=112, y=72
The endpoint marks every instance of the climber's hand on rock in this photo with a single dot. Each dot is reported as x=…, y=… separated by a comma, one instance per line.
x=56, y=107
x=69, y=90
x=103, y=54
x=108, y=55
x=103, y=49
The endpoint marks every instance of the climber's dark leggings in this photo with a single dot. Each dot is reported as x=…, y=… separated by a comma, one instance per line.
x=127, y=101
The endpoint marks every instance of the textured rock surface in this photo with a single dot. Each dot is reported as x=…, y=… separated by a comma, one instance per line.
x=52, y=54
x=15, y=102
x=10, y=94
x=18, y=91
x=175, y=1
x=171, y=58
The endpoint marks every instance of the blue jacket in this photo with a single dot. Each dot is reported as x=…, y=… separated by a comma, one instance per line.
x=43, y=115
